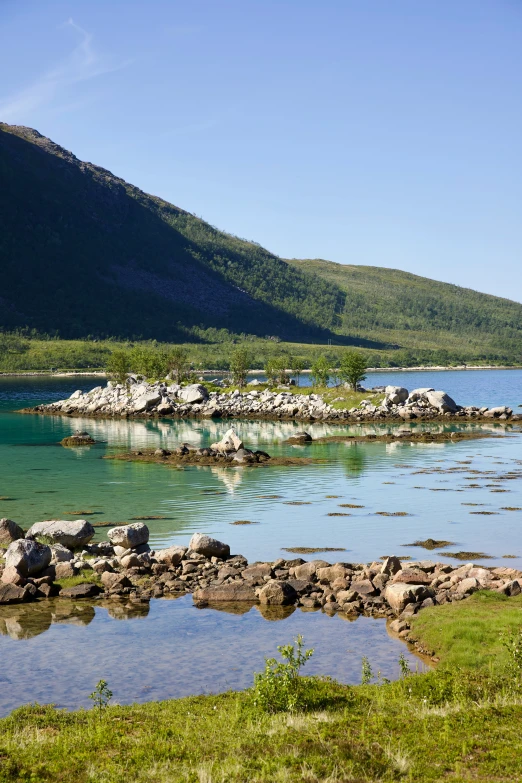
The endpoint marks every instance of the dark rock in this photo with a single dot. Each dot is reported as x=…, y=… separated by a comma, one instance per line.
x=86, y=590
x=11, y=594
x=237, y=591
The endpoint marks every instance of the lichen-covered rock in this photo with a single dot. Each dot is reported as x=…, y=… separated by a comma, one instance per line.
x=209, y=547
x=28, y=557
x=129, y=536
x=69, y=533
x=9, y=532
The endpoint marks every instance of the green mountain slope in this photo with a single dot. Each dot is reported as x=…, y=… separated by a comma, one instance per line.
x=83, y=252
x=422, y=316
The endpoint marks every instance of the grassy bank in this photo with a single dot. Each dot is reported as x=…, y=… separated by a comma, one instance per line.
x=458, y=723
x=21, y=354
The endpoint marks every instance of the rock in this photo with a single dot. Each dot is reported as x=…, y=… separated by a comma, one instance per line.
x=399, y=595
x=346, y=596
x=172, y=556
x=100, y=566
x=300, y=437
x=309, y=570
x=411, y=576
x=277, y=593
x=85, y=590
x=468, y=585
x=112, y=581
x=72, y=534
x=257, y=572
x=364, y=587
x=228, y=443
x=9, y=532
x=129, y=536
x=209, y=547
x=145, y=402
x=441, y=401
x=28, y=557
x=64, y=570
x=511, y=588
x=11, y=594
x=495, y=413
x=391, y=565
x=193, y=394
x=60, y=554
x=396, y=394
x=231, y=592
x=418, y=394
x=11, y=576
x=131, y=561
x=331, y=573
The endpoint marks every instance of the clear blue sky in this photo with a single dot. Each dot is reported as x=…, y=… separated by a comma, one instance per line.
x=382, y=132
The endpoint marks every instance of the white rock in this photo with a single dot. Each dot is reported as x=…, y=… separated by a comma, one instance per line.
x=70, y=533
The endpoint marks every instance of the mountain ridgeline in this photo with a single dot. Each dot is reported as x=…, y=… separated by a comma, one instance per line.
x=84, y=253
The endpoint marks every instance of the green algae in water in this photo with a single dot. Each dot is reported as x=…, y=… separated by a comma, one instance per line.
x=338, y=514
x=349, y=505
x=431, y=543
x=392, y=514
x=467, y=555
x=243, y=522
x=310, y=550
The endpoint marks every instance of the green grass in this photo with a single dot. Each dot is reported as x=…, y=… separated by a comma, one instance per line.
x=458, y=723
x=467, y=634
x=86, y=575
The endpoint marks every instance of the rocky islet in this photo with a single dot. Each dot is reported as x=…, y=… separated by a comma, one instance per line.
x=163, y=399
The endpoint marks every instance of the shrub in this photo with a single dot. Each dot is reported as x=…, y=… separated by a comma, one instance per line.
x=279, y=688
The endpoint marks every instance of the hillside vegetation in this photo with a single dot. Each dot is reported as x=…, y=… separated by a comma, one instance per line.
x=426, y=318
x=85, y=254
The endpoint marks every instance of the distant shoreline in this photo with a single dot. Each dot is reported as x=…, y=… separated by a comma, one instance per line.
x=103, y=374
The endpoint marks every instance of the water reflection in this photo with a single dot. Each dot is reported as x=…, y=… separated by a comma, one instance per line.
x=170, y=649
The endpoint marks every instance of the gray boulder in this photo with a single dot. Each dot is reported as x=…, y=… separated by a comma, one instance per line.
x=146, y=401
x=60, y=554
x=9, y=532
x=228, y=443
x=28, y=557
x=72, y=534
x=209, y=547
x=441, y=401
x=193, y=394
x=172, y=556
x=396, y=394
x=129, y=536
x=418, y=394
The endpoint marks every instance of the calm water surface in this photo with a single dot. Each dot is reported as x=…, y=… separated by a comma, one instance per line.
x=178, y=649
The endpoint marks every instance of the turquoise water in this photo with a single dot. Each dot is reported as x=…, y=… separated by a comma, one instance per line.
x=177, y=649
x=45, y=481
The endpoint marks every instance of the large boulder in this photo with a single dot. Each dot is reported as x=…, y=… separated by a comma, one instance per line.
x=85, y=590
x=309, y=569
x=129, y=536
x=146, y=401
x=209, y=547
x=399, y=595
x=441, y=401
x=228, y=443
x=72, y=534
x=231, y=592
x=28, y=557
x=9, y=532
x=277, y=593
x=396, y=394
x=193, y=394
x=419, y=394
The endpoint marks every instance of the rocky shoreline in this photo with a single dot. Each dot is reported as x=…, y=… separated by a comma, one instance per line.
x=125, y=568
x=140, y=399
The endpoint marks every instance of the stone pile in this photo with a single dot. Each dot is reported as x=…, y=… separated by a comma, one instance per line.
x=128, y=569
x=161, y=399
x=229, y=449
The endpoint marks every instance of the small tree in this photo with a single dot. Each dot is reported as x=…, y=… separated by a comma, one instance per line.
x=101, y=696
x=353, y=368
x=118, y=366
x=321, y=371
x=297, y=367
x=239, y=364
x=270, y=371
x=178, y=364
x=280, y=365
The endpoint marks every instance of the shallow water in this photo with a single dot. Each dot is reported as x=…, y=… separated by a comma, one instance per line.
x=177, y=649
x=56, y=651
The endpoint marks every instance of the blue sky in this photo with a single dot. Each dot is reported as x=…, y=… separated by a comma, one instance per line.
x=360, y=131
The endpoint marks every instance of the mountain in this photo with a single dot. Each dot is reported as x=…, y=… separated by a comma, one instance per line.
x=422, y=316
x=83, y=252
